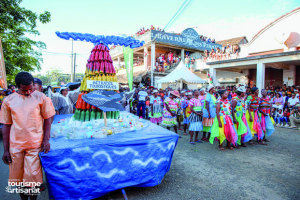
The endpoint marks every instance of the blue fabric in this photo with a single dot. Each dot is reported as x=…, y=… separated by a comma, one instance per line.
x=143, y=105
x=90, y=168
x=212, y=107
x=269, y=126
x=186, y=121
x=195, y=126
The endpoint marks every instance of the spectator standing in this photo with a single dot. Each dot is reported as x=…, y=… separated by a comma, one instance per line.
x=142, y=102
x=228, y=51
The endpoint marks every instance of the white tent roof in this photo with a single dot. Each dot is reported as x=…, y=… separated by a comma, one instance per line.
x=181, y=73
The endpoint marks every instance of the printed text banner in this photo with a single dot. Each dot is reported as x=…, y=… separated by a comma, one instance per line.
x=104, y=85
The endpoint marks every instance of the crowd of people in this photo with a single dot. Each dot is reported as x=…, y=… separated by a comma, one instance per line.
x=225, y=53
x=142, y=31
x=164, y=61
x=234, y=113
x=207, y=39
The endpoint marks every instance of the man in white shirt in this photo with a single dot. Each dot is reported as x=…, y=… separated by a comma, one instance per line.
x=142, y=102
x=293, y=101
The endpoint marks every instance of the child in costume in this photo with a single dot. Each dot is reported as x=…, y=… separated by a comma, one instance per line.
x=195, y=118
x=156, y=111
x=186, y=110
x=223, y=127
x=239, y=117
x=169, y=111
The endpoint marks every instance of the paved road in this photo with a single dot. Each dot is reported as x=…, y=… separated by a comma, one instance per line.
x=204, y=172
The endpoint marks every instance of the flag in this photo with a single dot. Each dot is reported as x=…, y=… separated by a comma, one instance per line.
x=209, y=78
x=128, y=59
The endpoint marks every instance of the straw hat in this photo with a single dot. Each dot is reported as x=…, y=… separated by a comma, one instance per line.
x=175, y=93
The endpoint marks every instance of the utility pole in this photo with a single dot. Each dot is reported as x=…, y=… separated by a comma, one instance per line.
x=49, y=82
x=72, y=72
x=74, y=68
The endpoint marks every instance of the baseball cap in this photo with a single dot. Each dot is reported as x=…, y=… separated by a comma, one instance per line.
x=38, y=81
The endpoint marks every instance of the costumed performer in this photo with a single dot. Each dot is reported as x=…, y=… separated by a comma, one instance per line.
x=239, y=117
x=209, y=112
x=195, y=118
x=252, y=116
x=180, y=110
x=156, y=110
x=267, y=124
x=186, y=110
x=169, y=111
x=223, y=127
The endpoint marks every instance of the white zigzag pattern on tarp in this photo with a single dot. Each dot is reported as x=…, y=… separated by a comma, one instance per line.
x=98, y=153
x=127, y=150
x=171, y=144
x=140, y=162
x=87, y=165
x=110, y=173
x=85, y=149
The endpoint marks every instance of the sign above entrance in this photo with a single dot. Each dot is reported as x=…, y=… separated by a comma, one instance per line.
x=189, y=38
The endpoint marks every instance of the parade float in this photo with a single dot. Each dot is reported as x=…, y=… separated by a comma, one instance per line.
x=101, y=148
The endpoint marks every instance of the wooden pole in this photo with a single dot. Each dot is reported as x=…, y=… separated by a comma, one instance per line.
x=105, y=119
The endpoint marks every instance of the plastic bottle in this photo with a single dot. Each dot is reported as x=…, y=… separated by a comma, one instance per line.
x=87, y=116
x=82, y=116
x=93, y=115
x=77, y=114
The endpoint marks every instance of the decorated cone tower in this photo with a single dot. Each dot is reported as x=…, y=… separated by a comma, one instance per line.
x=98, y=68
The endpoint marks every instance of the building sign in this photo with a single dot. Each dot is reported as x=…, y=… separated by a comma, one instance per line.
x=104, y=85
x=189, y=38
x=3, y=83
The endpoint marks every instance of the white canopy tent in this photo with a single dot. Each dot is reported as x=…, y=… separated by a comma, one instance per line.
x=182, y=74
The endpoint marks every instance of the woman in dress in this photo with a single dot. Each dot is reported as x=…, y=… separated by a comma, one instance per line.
x=169, y=111
x=186, y=110
x=265, y=110
x=156, y=111
x=252, y=116
x=209, y=112
x=239, y=117
x=195, y=118
x=223, y=127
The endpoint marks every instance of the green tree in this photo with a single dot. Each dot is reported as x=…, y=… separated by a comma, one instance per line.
x=20, y=52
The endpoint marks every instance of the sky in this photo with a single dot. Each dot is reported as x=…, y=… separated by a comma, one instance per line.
x=218, y=19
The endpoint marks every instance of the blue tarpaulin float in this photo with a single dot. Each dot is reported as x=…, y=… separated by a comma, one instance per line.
x=90, y=168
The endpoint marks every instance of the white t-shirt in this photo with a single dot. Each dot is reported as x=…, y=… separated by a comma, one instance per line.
x=293, y=101
x=142, y=95
x=160, y=59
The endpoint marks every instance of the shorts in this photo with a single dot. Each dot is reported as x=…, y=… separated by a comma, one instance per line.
x=25, y=165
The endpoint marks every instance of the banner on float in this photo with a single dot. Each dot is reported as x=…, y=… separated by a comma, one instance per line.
x=128, y=59
x=3, y=83
x=102, y=85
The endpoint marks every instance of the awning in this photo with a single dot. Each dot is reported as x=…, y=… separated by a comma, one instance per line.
x=137, y=77
x=181, y=73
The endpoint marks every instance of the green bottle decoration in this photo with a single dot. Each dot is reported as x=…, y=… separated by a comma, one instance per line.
x=108, y=115
x=93, y=115
x=87, y=116
x=98, y=114
x=102, y=115
x=82, y=115
x=77, y=115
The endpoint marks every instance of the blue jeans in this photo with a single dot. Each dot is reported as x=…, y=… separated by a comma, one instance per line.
x=280, y=119
x=143, y=105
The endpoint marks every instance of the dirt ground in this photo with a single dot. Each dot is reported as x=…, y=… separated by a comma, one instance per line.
x=204, y=172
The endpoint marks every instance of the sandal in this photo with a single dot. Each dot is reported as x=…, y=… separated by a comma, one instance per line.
x=184, y=134
x=204, y=139
x=230, y=148
x=243, y=145
x=192, y=143
x=237, y=147
x=221, y=148
x=251, y=143
x=198, y=141
x=262, y=143
x=266, y=140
